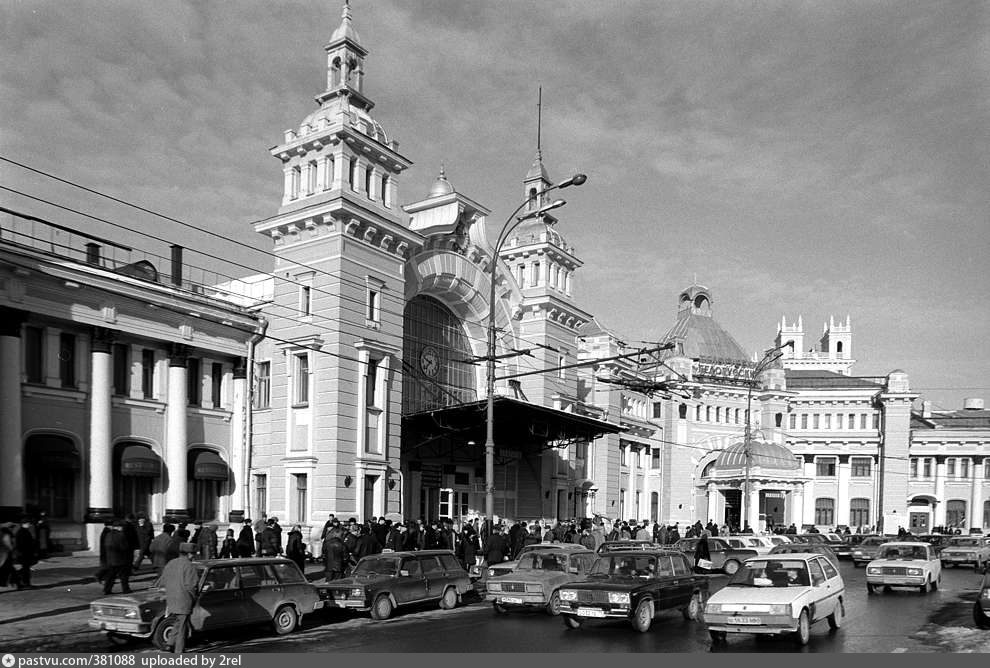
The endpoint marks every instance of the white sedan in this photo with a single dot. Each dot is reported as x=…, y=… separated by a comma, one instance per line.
x=762, y=544
x=778, y=594
x=904, y=564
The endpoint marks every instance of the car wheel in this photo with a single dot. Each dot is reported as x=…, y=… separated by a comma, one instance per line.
x=927, y=587
x=553, y=607
x=835, y=619
x=572, y=622
x=980, y=619
x=499, y=608
x=871, y=588
x=163, y=637
x=285, y=620
x=887, y=589
x=692, y=610
x=643, y=617
x=936, y=583
x=718, y=637
x=730, y=567
x=449, y=599
x=382, y=607
x=803, y=634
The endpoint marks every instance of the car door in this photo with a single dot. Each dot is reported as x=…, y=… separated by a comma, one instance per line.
x=824, y=597
x=717, y=548
x=257, y=582
x=410, y=586
x=432, y=577
x=221, y=600
x=674, y=574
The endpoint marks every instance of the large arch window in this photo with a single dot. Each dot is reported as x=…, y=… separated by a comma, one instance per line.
x=824, y=511
x=51, y=465
x=859, y=512
x=208, y=475
x=955, y=514
x=136, y=467
x=435, y=350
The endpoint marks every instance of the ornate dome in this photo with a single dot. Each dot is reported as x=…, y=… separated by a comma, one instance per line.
x=761, y=454
x=441, y=186
x=699, y=335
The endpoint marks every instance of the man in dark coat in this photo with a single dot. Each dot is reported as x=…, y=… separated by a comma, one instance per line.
x=145, y=534
x=245, y=540
x=467, y=545
x=366, y=544
x=25, y=553
x=160, y=549
x=329, y=524
x=119, y=559
x=335, y=555
x=269, y=543
x=380, y=529
x=396, y=539
x=497, y=547
x=207, y=541
x=702, y=552
x=180, y=580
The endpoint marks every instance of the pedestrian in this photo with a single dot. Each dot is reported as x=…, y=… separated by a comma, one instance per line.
x=43, y=534
x=268, y=543
x=207, y=541
x=329, y=524
x=497, y=547
x=587, y=540
x=295, y=549
x=468, y=546
x=160, y=548
x=335, y=555
x=180, y=579
x=145, y=534
x=277, y=528
x=130, y=530
x=25, y=553
x=6, y=555
x=702, y=554
x=366, y=544
x=120, y=556
x=245, y=540
x=228, y=549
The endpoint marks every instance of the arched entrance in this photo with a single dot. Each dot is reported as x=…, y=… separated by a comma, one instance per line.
x=136, y=469
x=208, y=475
x=51, y=468
x=921, y=510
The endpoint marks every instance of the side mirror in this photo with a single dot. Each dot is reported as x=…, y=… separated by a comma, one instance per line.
x=404, y=573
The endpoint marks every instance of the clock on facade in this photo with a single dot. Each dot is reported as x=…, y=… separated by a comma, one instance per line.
x=429, y=361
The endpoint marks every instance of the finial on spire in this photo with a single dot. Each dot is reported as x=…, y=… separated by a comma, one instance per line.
x=539, y=124
x=443, y=171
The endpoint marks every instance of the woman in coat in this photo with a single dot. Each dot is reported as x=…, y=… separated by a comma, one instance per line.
x=701, y=552
x=228, y=549
x=294, y=548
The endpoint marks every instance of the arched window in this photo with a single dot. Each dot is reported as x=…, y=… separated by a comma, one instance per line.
x=136, y=469
x=51, y=467
x=533, y=202
x=955, y=514
x=778, y=419
x=682, y=411
x=838, y=347
x=859, y=512
x=335, y=73
x=434, y=372
x=824, y=511
x=709, y=468
x=207, y=482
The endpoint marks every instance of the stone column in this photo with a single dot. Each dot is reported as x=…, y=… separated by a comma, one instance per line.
x=100, y=450
x=176, y=412
x=237, y=486
x=939, y=519
x=976, y=504
x=810, y=472
x=11, y=446
x=753, y=506
x=796, y=511
x=842, y=500
x=712, y=494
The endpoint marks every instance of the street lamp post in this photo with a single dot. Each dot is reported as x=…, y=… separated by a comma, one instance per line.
x=769, y=358
x=510, y=224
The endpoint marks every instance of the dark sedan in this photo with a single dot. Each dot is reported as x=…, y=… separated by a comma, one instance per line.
x=724, y=557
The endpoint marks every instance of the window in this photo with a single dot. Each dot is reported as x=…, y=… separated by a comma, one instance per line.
x=824, y=511
x=352, y=172
x=708, y=413
x=263, y=387
x=311, y=186
x=260, y=494
x=859, y=512
x=804, y=420
x=955, y=514
x=792, y=421
x=622, y=460
x=328, y=166
x=928, y=467
x=825, y=468
x=697, y=413
x=862, y=421
x=817, y=576
x=301, y=373
x=828, y=420
x=305, y=300
x=34, y=357
x=656, y=459
x=295, y=183
x=876, y=421
x=368, y=173
x=986, y=468
x=814, y=421
x=67, y=359
x=851, y=420
x=148, y=373
x=121, y=369
x=535, y=274
x=554, y=273
x=521, y=275
x=838, y=420
x=914, y=467
x=964, y=468
x=657, y=410
x=193, y=381
x=371, y=384
x=718, y=414
x=950, y=467
x=216, y=384
x=861, y=467
x=561, y=371
x=383, y=193
x=301, y=484
x=374, y=312
x=682, y=411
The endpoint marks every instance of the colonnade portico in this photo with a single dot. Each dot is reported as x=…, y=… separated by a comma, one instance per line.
x=793, y=500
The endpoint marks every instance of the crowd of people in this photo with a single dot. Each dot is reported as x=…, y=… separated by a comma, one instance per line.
x=22, y=546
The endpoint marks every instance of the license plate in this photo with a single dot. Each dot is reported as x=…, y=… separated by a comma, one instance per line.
x=590, y=612
x=511, y=599
x=745, y=620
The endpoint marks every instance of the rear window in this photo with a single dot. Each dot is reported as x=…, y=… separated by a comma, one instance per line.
x=430, y=565
x=257, y=575
x=680, y=565
x=449, y=562
x=288, y=573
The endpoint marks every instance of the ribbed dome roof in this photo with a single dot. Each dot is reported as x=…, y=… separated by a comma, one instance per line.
x=761, y=453
x=698, y=332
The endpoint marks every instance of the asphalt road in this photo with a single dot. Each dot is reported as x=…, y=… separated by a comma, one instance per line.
x=897, y=621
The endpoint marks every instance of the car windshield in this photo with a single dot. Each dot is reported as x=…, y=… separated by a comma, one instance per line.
x=906, y=552
x=542, y=561
x=964, y=542
x=377, y=566
x=625, y=566
x=771, y=573
x=872, y=542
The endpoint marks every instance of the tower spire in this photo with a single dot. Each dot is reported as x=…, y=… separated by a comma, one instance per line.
x=539, y=124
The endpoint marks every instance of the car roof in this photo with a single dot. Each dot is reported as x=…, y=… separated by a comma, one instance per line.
x=790, y=555
x=411, y=553
x=243, y=561
x=539, y=549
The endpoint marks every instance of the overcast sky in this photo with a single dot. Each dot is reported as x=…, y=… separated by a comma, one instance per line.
x=798, y=158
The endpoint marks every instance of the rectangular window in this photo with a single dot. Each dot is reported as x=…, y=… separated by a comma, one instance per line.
x=305, y=300
x=67, y=359
x=216, y=384
x=302, y=490
x=371, y=384
x=851, y=421
x=148, y=373
x=828, y=420
x=791, y=421
x=928, y=467
x=328, y=172
x=861, y=467
x=260, y=495
x=554, y=273
x=311, y=186
x=561, y=371
x=194, y=383
x=718, y=414
x=838, y=420
x=950, y=467
x=825, y=467
x=876, y=421
x=296, y=183
x=708, y=413
x=955, y=514
x=368, y=173
x=655, y=464
x=859, y=512
x=804, y=420
x=121, y=369
x=383, y=193
x=521, y=275
x=964, y=468
x=986, y=468
x=914, y=467
x=657, y=410
x=34, y=354
x=263, y=387
x=825, y=511
x=352, y=173
x=374, y=307
x=535, y=274
x=697, y=413
x=862, y=421
x=622, y=457
x=301, y=372
x=814, y=421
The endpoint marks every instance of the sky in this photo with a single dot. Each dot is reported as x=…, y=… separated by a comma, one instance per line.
x=797, y=158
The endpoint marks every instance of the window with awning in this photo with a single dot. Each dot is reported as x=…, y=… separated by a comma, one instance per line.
x=209, y=466
x=139, y=461
x=52, y=452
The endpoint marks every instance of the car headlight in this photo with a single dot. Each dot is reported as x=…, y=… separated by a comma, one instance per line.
x=96, y=609
x=534, y=589
x=874, y=571
x=495, y=586
x=618, y=598
x=568, y=595
x=859, y=552
x=986, y=593
x=780, y=609
x=491, y=572
x=713, y=608
x=131, y=614
x=914, y=571
x=357, y=592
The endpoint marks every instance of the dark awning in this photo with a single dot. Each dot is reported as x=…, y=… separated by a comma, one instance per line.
x=53, y=452
x=209, y=466
x=140, y=462
x=517, y=424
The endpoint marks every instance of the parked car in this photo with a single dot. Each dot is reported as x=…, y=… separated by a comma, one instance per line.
x=778, y=594
x=981, y=607
x=936, y=540
x=801, y=548
x=867, y=550
x=813, y=538
x=779, y=539
x=724, y=557
x=617, y=545
x=231, y=592
x=380, y=583
x=966, y=550
x=506, y=567
x=838, y=545
x=762, y=544
x=537, y=578
x=634, y=585
x=904, y=564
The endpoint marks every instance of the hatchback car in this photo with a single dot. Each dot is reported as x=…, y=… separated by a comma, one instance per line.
x=231, y=592
x=537, y=579
x=778, y=594
x=724, y=557
x=380, y=583
x=904, y=564
x=973, y=550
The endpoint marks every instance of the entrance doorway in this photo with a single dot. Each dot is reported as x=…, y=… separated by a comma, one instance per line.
x=733, y=502
x=772, y=508
x=920, y=523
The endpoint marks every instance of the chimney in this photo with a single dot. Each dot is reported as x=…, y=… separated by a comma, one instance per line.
x=93, y=254
x=973, y=404
x=926, y=409
x=177, y=266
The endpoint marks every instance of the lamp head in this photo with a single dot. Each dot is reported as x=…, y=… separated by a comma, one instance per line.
x=576, y=180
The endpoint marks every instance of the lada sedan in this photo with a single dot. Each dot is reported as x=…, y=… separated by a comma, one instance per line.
x=634, y=585
x=867, y=550
x=506, y=567
x=981, y=607
x=231, y=592
x=380, y=583
x=537, y=578
x=966, y=550
x=904, y=564
x=761, y=544
x=776, y=595
x=724, y=557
